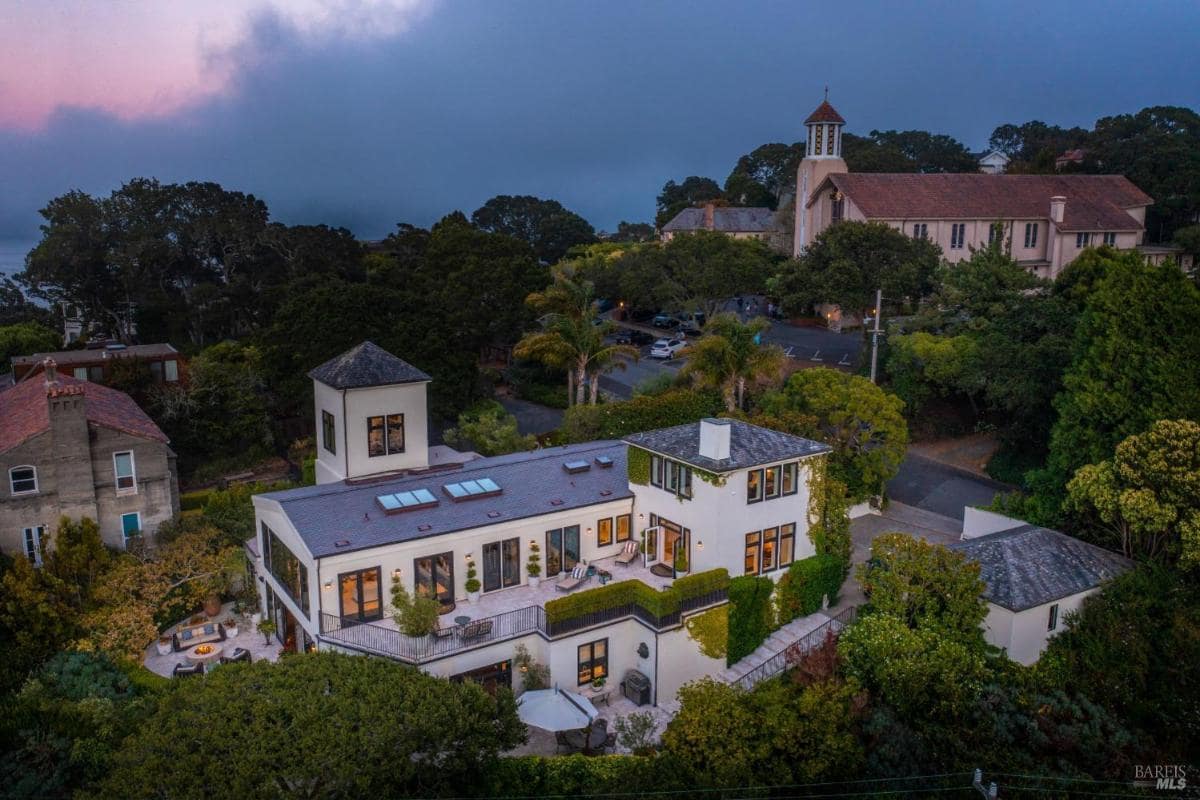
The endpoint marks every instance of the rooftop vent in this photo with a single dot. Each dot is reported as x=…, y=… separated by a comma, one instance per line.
x=424, y=528
x=342, y=543
x=493, y=514
x=406, y=501
x=470, y=490
x=604, y=461
x=576, y=466
x=556, y=502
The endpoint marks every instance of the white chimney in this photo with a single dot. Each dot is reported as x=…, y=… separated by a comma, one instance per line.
x=1058, y=207
x=714, y=438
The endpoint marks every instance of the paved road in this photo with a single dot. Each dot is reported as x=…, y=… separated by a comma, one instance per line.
x=531, y=417
x=941, y=489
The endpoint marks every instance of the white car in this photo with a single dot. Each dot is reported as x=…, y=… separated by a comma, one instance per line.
x=667, y=348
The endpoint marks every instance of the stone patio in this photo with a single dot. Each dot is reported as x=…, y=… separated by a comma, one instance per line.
x=248, y=638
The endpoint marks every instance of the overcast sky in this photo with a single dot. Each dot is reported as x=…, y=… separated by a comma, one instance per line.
x=366, y=113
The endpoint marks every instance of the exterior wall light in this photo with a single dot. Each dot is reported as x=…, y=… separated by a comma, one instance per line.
x=328, y=584
x=699, y=545
x=396, y=573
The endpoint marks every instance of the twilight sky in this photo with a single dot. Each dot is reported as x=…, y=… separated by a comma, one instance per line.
x=365, y=113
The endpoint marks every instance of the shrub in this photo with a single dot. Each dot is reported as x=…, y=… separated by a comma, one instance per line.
x=635, y=732
x=701, y=583
x=414, y=616
x=614, y=595
x=750, y=617
x=614, y=420
x=579, y=776
x=803, y=588
x=193, y=501
x=711, y=631
x=489, y=430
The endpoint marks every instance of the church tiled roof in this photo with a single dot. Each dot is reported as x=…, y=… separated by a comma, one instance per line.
x=825, y=113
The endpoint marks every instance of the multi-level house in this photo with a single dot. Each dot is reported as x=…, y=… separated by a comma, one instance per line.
x=703, y=499
x=74, y=448
x=96, y=363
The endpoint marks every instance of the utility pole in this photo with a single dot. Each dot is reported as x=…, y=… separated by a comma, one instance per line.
x=875, y=333
x=989, y=792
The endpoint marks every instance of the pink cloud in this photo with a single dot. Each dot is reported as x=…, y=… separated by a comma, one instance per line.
x=139, y=58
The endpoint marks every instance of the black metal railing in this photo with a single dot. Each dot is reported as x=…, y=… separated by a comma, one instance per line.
x=779, y=662
x=387, y=641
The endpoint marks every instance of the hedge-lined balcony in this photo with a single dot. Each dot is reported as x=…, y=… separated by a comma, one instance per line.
x=633, y=598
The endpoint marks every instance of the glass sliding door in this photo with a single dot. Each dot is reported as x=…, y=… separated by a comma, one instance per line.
x=562, y=549
x=361, y=595
x=434, y=577
x=491, y=566
x=510, y=562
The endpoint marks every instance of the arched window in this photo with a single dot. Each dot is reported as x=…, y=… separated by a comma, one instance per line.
x=23, y=479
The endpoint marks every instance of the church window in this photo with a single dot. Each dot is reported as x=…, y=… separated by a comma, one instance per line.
x=958, y=235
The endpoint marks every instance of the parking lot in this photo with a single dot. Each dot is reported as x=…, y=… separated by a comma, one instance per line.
x=809, y=345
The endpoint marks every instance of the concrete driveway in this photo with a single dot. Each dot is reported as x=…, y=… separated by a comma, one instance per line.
x=940, y=488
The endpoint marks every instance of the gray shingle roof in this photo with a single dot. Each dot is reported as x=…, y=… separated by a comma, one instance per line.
x=367, y=364
x=726, y=220
x=749, y=446
x=1027, y=566
x=531, y=482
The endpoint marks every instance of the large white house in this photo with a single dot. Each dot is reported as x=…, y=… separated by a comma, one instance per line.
x=716, y=494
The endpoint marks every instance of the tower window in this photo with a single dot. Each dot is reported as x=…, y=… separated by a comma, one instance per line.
x=819, y=130
x=958, y=235
x=1031, y=231
x=385, y=435
x=328, y=432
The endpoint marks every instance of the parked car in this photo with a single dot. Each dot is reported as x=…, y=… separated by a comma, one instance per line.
x=640, y=314
x=664, y=321
x=667, y=348
x=692, y=324
x=634, y=337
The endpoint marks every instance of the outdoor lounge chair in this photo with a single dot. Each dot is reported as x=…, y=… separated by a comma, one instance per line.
x=628, y=555
x=475, y=629
x=182, y=670
x=238, y=654
x=573, y=581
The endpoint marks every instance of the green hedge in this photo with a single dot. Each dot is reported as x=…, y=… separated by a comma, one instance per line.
x=658, y=603
x=193, y=501
x=587, y=423
x=690, y=586
x=802, y=590
x=750, y=615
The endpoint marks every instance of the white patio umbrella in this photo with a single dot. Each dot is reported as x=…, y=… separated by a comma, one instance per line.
x=556, y=710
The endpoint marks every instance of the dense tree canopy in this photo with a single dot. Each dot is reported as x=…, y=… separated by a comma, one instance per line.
x=544, y=225
x=632, y=232
x=317, y=725
x=860, y=421
x=906, y=151
x=730, y=355
x=846, y=263
x=25, y=338
x=1034, y=145
x=675, y=197
x=764, y=174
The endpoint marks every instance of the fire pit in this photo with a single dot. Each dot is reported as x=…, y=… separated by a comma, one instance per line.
x=204, y=653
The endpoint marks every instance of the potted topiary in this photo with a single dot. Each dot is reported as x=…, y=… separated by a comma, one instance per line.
x=681, y=562
x=266, y=628
x=231, y=628
x=164, y=645
x=472, y=584
x=533, y=567
x=598, y=683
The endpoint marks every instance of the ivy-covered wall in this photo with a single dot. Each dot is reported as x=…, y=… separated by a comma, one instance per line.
x=638, y=461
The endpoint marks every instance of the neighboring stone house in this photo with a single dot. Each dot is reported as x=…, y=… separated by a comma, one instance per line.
x=1033, y=577
x=739, y=222
x=78, y=449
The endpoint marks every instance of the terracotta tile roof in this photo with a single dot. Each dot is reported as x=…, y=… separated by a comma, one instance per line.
x=25, y=414
x=825, y=113
x=1094, y=202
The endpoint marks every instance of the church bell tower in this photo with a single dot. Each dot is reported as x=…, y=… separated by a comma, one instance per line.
x=822, y=157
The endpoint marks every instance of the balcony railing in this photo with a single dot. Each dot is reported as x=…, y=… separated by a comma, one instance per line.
x=369, y=637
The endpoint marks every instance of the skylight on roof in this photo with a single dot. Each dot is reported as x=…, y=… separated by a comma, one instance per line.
x=469, y=490
x=604, y=461
x=406, y=501
x=576, y=466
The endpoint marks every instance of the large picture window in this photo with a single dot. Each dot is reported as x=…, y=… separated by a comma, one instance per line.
x=385, y=435
x=289, y=571
x=754, y=486
x=671, y=476
x=434, y=577
x=328, y=432
x=770, y=549
x=361, y=595
x=624, y=527
x=787, y=544
x=753, y=550
x=769, y=483
x=593, y=661
x=501, y=564
x=604, y=532
x=562, y=549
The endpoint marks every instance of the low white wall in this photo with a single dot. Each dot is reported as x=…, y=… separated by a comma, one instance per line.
x=977, y=522
x=862, y=510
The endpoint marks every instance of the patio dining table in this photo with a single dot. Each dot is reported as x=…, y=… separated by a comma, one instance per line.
x=594, y=741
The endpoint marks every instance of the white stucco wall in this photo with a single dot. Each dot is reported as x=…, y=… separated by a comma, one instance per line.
x=1023, y=634
x=978, y=522
x=350, y=410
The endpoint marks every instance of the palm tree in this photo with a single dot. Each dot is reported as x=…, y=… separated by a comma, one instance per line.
x=729, y=355
x=573, y=337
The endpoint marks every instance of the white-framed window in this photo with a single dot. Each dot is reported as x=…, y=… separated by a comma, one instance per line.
x=124, y=469
x=131, y=526
x=23, y=479
x=920, y=230
x=80, y=373
x=958, y=235
x=1082, y=240
x=1031, y=233
x=171, y=371
x=32, y=543
x=1110, y=239
x=1052, y=621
